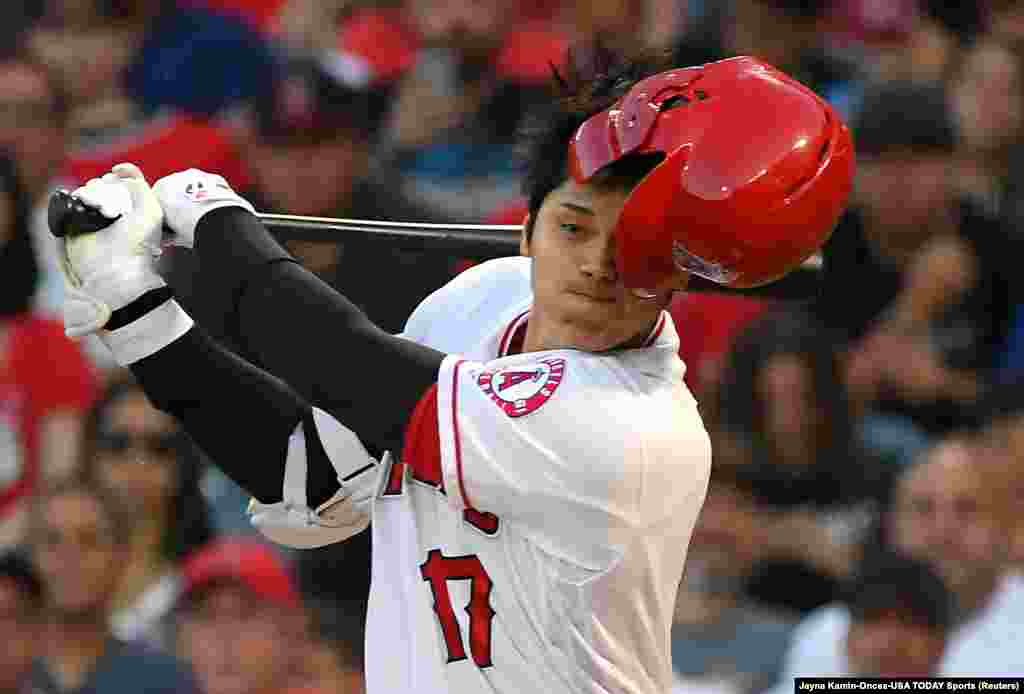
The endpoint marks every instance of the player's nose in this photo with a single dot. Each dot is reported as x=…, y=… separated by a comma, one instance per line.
x=598, y=259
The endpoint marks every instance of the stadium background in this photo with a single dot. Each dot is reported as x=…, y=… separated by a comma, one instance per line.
x=865, y=514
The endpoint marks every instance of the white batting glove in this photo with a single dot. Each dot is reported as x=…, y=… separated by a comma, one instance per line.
x=187, y=195
x=108, y=269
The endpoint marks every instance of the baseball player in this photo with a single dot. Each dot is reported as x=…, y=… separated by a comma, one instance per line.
x=530, y=458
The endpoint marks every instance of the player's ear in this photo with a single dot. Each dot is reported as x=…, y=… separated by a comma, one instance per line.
x=524, y=236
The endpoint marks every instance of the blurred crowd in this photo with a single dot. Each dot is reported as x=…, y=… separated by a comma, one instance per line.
x=865, y=514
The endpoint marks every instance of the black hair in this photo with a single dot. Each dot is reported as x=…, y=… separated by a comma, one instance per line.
x=189, y=524
x=904, y=115
x=16, y=568
x=1003, y=400
x=19, y=266
x=595, y=78
x=889, y=583
x=305, y=101
x=806, y=10
x=840, y=472
x=964, y=20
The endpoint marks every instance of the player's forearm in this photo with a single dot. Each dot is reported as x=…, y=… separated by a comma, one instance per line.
x=300, y=329
x=239, y=415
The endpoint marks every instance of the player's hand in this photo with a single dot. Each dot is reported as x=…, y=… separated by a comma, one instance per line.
x=187, y=195
x=108, y=269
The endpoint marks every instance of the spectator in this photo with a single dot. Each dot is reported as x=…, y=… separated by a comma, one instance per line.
x=933, y=45
x=21, y=597
x=34, y=113
x=782, y=414
x=45, y=381
x=240, y=619
x=332, y=653
x=629, y=26
x=783, y=408
x=1002, y=442
x=34, y=119
x=149, y=55
x=140, y=455
x=900, y=616
x=934, y=296
x=308, y=148
x=1006, y=17
x=988, y=99
x=943, y=512
x=786, y=33
x=80, y=544
x=718, y=633
x=453, y=127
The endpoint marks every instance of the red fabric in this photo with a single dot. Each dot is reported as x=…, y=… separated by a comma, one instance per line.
x=41, y=372
x=159, y=147
x=388, y=45
x=382, y=39
x=421, y=450
x=246, y=560
x=707, y=322
x=529, y=53
x=512, y=212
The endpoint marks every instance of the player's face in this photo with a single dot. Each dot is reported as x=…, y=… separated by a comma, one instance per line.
x=579, y=299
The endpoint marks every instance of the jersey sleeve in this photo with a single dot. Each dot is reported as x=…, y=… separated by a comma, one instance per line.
x=477, y=294
x=557, y=444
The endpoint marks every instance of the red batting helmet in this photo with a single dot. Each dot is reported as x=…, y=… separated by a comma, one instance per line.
x=757, y=170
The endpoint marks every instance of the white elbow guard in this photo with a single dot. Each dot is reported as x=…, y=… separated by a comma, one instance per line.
x=291, y=522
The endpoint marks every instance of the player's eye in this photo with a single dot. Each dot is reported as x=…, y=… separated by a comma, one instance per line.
x=570, y=228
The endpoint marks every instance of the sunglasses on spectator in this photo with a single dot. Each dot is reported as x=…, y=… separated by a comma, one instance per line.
x=165, y=443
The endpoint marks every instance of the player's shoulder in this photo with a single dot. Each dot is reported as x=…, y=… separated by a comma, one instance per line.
x=483, y=291
x=605, y=390
x=507, y=276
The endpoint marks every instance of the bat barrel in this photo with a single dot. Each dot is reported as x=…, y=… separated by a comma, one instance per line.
x=478, y=241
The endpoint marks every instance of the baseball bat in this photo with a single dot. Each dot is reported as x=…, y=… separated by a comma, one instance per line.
x=68, y=216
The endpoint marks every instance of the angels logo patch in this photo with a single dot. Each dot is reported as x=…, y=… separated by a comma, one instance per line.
x=196, y=191
x=520, y=390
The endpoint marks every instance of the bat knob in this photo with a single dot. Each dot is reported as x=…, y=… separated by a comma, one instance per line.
x=69, y=216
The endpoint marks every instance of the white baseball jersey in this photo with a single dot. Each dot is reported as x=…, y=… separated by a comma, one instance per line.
x=532, y=539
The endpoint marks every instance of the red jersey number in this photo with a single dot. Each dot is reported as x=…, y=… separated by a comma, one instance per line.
x=438, y=570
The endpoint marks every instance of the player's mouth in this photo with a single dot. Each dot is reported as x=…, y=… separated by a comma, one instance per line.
x=597, y=298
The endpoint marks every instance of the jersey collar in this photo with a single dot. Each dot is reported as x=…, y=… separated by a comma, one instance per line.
x=515, y=333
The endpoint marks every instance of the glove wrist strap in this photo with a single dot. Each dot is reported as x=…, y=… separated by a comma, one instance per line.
x=138, y=308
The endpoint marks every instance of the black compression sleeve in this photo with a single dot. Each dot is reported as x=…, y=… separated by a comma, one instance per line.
x=303, y=331
x=237, y=414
